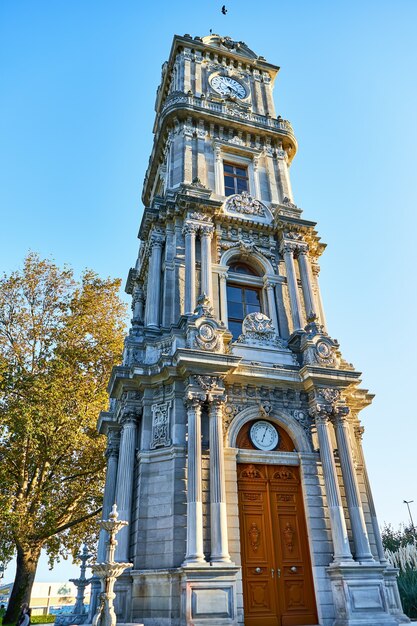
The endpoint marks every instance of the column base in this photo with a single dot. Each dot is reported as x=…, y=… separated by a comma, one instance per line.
x=208, y=596
x=360, y=595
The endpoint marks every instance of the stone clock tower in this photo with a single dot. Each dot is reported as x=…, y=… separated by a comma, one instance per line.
x=234, y=443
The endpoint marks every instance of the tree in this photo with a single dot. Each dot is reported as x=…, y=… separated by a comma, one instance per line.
x=59, y=340
x=394, y=539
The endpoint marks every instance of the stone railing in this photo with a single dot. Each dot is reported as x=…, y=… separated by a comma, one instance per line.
x=225, y=109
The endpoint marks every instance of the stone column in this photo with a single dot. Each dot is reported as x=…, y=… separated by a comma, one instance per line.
x=341, y=546
x=189, y=232
x=287, y=249
x=270, y=294
x=257, y=193
x=218, y=171
x=188, y=133
x=357, y=519
x=138, y=299
x=372, y=511
x=223, y=297
x=201, y=156
x=218, y=513
x=315, y=271
x=206, y=277
x=186, y=55
x=154, y=282
x=284, y=175
x=198, y=58
x=270, y=168
x=112, y=454
x=268, y=94
x=169, y=277
x=124, y=486
x=194, y=488
x=306, y=284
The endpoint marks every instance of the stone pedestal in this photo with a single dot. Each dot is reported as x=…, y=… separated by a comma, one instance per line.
x=208, y=596
x=360, y=595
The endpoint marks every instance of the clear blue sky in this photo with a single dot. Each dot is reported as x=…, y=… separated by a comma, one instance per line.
x=78, y=82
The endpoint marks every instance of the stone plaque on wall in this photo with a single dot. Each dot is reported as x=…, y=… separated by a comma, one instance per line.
x=161, y=413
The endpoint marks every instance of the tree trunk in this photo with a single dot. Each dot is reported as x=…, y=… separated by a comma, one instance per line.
x=27, y=562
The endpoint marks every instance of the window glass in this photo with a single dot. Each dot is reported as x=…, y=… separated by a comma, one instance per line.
x=241, y=301
x=235, y=179
x=241, y=268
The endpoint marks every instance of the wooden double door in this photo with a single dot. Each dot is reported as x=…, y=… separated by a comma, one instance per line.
x=277, y=579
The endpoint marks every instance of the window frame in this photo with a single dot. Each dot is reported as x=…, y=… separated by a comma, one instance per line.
x=235, y=176
x=249, y=281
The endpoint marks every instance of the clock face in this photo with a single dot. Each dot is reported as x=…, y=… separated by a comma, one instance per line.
x=264, y=435
x=226, y=86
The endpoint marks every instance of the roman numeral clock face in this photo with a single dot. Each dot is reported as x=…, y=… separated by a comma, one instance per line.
x=226, y=86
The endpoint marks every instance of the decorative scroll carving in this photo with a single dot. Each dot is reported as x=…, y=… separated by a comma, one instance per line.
x=250, y=472
x=160, y=424
x=254, y=537
x=246, y=204
x=283, y=473
x=289, y=536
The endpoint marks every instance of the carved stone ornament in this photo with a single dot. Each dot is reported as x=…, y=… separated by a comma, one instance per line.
x=247, y=205
x=257, y=329
x=160, y=424
x=207, y=337
x=203, y=308
x=208, y=383
x=288, y=203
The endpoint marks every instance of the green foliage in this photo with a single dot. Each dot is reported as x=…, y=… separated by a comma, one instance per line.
x=59, y=340
x=407, y=586
x=393, y=539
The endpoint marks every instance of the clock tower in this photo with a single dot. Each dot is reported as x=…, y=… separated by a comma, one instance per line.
x=234, y=440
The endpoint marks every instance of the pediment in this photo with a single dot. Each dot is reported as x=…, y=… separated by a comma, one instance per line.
x=247, y=207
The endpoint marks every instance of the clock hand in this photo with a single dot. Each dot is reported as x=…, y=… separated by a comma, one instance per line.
x=265, y=431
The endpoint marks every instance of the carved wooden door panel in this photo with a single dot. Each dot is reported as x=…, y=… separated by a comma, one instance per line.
x=277, y=580
x=258, y=565
x=295, y=582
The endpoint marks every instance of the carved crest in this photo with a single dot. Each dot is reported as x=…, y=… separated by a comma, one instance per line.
x=257, y=328
x=245, y=204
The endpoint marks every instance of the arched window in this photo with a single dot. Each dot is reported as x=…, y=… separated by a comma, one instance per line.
x=242, y=298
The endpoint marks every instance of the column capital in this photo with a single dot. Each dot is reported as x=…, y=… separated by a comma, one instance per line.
x=340, y=415
x=189, y=229
x=207, y=230
x=194, y=400
x=156, y=241
x=288, y=247
x=130, y=416
x=324, y=405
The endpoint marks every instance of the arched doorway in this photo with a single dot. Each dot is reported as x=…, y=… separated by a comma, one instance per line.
x=276, y=570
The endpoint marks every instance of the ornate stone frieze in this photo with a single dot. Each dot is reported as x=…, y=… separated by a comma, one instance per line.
x=161, y=417
x=209, y=383
x=245, y=204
